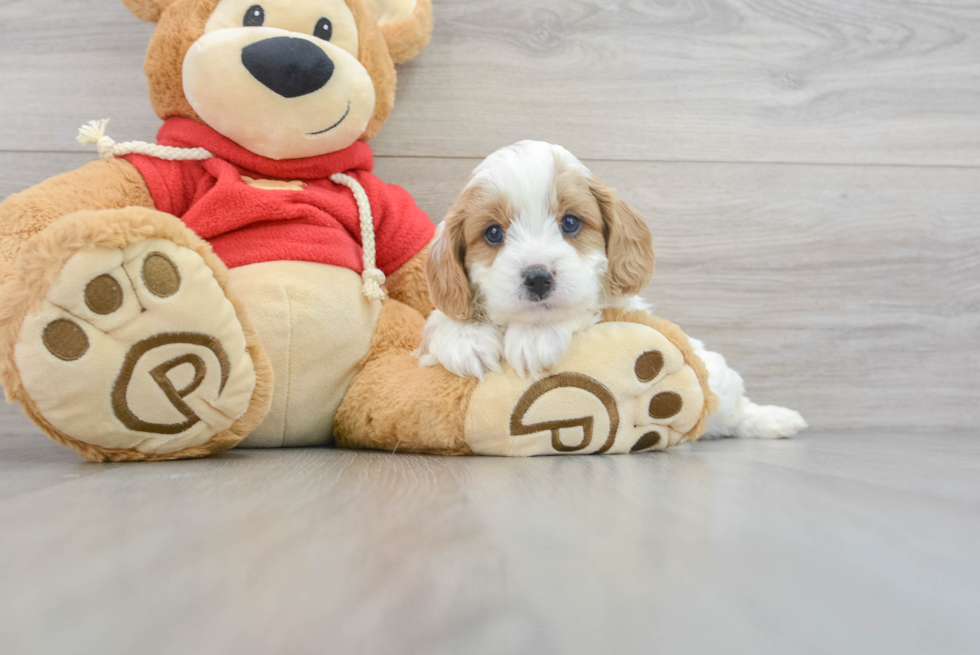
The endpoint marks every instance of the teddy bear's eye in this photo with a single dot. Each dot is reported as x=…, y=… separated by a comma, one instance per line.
x=254, y=17
x=323, y=29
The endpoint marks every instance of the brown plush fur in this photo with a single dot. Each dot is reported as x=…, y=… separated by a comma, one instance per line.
x=178, y=29
x=148, y=10
x=374, y=56
x=39, y=264
x=677, y=337
x=407, y=284
x=407, y=38
x=98, y=185
x=393, y=404
x=183, y=23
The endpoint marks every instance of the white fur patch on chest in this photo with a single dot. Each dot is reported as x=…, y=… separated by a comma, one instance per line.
x=274, y=185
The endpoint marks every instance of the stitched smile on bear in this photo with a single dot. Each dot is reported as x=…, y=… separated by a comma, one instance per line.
x=297, y=61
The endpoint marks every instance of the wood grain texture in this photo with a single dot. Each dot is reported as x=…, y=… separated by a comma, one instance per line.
x=850, y=81
x=835, y=543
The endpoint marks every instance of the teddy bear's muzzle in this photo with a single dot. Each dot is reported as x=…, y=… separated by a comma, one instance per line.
x=288, y=66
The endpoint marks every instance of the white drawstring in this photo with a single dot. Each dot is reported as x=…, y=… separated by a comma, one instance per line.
x=372, y=275
x=93, y=132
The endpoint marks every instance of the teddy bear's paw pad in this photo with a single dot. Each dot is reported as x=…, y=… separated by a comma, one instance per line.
x=670, y=408
x=621, y=388
x=137, y=348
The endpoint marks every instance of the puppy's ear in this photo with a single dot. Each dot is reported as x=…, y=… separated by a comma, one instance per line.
x=445, y=272
x=406, y=25
x=148, y=10
x=629, y=243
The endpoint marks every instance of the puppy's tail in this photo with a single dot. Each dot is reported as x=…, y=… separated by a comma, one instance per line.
x=767, y=422
x=737, y=416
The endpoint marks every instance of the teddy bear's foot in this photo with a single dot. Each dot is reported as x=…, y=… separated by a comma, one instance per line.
x=621, y=388
x=133, y=352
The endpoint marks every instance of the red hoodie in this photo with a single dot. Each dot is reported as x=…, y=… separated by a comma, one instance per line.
x=315, y=221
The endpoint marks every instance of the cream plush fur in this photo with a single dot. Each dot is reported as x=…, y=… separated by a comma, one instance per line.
x=603, y=351
x=315, y=352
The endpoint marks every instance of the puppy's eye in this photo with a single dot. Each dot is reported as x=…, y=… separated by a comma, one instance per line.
x=254, y=17
x=571, y=225
x=323, y=29
x=494, y=235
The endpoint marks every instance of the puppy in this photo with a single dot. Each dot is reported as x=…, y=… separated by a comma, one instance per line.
x=533, y=250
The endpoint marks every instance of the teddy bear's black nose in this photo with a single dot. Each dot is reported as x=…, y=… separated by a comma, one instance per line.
x=290, y=67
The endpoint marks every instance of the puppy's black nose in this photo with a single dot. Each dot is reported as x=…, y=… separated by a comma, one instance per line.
x=538, y=282
x=290, y=67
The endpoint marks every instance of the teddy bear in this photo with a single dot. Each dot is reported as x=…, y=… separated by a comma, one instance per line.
x=247, y=280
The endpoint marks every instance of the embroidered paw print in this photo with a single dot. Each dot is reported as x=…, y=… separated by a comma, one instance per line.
x=274, y=185
x=621, y=388
x=137, y=348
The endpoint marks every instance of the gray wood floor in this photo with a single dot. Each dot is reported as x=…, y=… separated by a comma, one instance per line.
x=811, y=172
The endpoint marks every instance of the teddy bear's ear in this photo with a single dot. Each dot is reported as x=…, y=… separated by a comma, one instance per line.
x=406, y=25
x=148, y=10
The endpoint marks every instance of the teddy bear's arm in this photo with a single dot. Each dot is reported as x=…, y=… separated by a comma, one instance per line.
x=408, y=284
x=112, y=184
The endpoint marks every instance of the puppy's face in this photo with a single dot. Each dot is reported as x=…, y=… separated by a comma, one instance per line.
x=535, y=237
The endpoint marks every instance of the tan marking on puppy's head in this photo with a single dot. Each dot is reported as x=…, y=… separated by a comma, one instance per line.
x=480, y=209
x=461, y=242
x=629, y=243
x=574, y=197
x=197, y=67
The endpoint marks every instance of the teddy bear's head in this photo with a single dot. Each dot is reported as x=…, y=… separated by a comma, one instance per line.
x=284, y=79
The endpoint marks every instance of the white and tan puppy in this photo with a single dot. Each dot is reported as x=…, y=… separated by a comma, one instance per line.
x=533, y=250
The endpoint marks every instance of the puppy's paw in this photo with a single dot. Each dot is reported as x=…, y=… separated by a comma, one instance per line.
x=768, y=422
x=463, y=348
x=533, y=349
